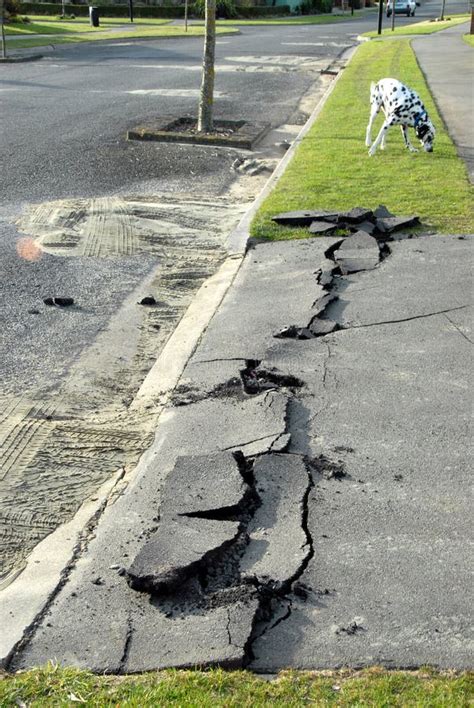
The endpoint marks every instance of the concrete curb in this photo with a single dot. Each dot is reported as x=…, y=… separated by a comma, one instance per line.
x=166, y=371
x=237, y=239
x=20, y=59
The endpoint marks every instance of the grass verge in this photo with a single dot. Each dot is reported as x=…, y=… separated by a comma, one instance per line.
x=425, y=27
x=54, y=686
x=300, y=20
x=162, y=32
x=469, y=39
x=331, y=168
x=46, y=25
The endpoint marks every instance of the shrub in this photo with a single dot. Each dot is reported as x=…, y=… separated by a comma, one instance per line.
x=161, y=11
x=11, y=9
x=315, y=7
x=225, y=9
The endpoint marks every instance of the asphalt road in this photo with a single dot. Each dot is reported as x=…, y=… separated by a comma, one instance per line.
x=63, y=125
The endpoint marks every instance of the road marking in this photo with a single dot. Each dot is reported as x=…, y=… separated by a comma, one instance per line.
x=277, y=59
x=315, y=44
x=180, y=93
x=221, y=68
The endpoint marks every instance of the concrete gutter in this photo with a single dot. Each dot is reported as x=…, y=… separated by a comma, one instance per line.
x=25, y=599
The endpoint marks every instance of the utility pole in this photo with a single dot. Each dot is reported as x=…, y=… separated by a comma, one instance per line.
x=130, y=10
x=186, y=16
x=379, y=27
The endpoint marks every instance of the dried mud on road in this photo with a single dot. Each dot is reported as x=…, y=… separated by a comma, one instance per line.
x=58, y=446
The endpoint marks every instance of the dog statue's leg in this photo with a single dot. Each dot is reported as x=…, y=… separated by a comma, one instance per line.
x=407, y=139
x=380, y=137
x=368, y=134
x=374, y=109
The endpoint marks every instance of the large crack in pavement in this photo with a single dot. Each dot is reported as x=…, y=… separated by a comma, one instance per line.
x=217, y=544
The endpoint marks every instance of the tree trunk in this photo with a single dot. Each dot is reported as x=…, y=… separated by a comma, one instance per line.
x=472, y=21
x=442, y=10
x=206, y=99
x=2, y=20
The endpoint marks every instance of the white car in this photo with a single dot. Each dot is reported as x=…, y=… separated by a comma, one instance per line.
x=402, y=7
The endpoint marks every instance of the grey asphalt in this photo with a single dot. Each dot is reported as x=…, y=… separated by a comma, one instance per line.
x=64, y=121
x=379, y=546
x=448, y=64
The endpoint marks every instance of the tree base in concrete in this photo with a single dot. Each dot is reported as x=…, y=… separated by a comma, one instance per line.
x=227, y=133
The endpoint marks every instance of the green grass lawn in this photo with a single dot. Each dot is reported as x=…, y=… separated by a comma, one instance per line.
x=332, y=170
x=469, y=39
x=425, y=27
x=147, y=32
x=48, y=25
x=299, y=20
x=53, y=686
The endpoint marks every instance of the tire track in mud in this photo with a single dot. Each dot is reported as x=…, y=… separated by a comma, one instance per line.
x=24, y=426
x=50, y=464
x=108, y=230
x=114, y=226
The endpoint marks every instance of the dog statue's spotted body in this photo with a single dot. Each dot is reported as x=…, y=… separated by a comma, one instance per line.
x=402, y=107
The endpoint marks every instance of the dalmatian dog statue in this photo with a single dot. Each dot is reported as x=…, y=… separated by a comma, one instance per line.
x=402, y=107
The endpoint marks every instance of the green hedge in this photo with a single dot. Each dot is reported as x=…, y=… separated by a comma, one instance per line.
x=164, y=11
x=315, y=7
x=262, y=11
x=49, y=8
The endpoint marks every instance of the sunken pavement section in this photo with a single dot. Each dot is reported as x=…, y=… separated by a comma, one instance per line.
x=304, y=502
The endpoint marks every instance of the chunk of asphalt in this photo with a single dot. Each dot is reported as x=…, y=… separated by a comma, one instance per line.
x=256, y=378
x=201, y=485
x=319, y=327
x=215, y=637
x=355, y=215
x=382, y=212
x=304, y=218
x=278, y=545
x=394, y=223
x=321, y=227
x=59, y=301
x=294, y=332
x=324, y=277
x=177, y=551
x=359, y=252
x=367, y=226
x=148, y=300
x=322, y=302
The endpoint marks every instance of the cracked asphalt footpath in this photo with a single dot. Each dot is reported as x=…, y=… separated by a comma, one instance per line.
x=338, y=534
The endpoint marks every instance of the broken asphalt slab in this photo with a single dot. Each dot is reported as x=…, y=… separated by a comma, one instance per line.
x=385, y=398
x=179, y=550
x=380, y=222
x=279, y=546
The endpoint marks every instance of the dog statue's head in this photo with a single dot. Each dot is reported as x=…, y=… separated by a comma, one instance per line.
x=425, y=132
